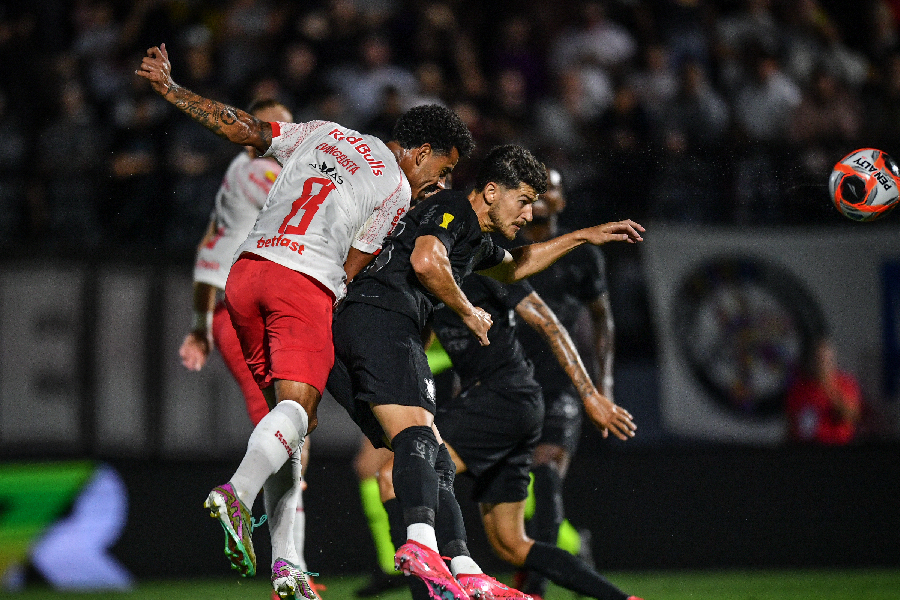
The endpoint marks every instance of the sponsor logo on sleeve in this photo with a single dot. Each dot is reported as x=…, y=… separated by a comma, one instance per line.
x=445, y=221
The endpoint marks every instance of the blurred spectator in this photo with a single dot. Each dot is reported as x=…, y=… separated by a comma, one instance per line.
x=251, y=27
x=14, y=169
x=563, y=118
x=826, y=123
x=136, y=210
x=813, y=43
x=697, y=113
x=682, y=26
x=766, y=99
x=627, y=124
x=516, y=50
x=824, y=403
x=510, y=111
x=764, y=107
x=695, y=124
x=593, y=40
x=71, y=150
x=363, y=83
x=881, y=127
x=300, y=77
x=655, y=83
x=390, y=109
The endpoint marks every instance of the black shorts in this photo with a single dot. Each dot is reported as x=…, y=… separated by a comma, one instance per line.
x=494, y=428
x=379, y=359
x=562, y=420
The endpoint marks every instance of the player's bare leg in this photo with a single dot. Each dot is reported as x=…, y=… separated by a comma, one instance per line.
x=504, y=525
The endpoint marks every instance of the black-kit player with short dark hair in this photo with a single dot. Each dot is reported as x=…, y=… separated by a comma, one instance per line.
x=493, y=425
x=381, y=374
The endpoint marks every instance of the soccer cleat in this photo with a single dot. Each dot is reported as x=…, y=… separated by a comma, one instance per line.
x=290, y=582
x=480, y=586
x=224, y=505
x=415, y=559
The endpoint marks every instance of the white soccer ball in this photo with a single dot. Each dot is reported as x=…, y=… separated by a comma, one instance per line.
x=864, y=184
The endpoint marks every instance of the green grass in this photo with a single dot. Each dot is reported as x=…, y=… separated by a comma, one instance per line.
x=713, y=585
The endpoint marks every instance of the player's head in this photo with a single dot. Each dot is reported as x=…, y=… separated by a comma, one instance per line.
x=510, y=179
x=431, y=140
x=269, y=109
x=545, y=209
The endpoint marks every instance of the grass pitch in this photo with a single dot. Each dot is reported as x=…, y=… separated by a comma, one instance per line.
x=876, y=584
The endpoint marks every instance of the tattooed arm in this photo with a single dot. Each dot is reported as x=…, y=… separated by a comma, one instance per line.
x=231, y=123
x=600, y=409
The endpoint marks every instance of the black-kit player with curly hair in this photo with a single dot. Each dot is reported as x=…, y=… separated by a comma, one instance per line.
x=381, y=374
x=339, y=193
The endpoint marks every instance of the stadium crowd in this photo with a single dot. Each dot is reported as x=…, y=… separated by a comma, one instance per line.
x=693, y=110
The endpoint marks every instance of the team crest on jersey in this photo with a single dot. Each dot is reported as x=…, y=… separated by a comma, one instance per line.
x=330, y=172
x=430, y=390
x=445, y=221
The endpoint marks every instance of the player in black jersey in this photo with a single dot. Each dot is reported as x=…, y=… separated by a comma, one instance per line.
x=381, y=375
x=493, y=425
x=571, y=287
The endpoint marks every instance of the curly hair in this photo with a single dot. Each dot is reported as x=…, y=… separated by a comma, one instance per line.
x=511, y=165
x=436, y=125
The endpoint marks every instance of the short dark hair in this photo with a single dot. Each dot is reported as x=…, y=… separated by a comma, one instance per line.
x=436, y=125
x=263, y=103
x=511, y=165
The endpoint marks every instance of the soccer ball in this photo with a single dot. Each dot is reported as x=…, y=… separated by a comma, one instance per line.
x=864, y=184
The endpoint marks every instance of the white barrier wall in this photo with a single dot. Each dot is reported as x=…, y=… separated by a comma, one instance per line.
x=731, y=307
x=89, y=365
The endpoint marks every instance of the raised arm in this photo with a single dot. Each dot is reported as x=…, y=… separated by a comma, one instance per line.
x=604, y=341
x=233, y=124
x=431, y=265
x=525, y=261
x=606, y=415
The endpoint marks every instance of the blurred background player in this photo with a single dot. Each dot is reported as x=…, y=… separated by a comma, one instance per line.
x=493, y=425
x=338, y=195
x=824, y=402
x=574, y=284
x=242, y=194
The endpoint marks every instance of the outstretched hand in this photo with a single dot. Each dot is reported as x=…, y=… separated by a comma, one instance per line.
x=608, y=416
x=479, y=322
x=156, y=68
x=195, y=350
x=617, y=231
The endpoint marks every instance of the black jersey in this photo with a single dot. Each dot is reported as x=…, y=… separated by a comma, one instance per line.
x=575, y=280
x=390, y=282
x=504, y=357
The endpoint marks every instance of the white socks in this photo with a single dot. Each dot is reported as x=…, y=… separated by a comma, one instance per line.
x=464, y=565
x=284, y=506
x=423, y=534
x=278, y=437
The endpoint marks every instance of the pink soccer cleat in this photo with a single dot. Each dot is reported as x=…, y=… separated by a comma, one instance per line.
x=484, y=587
x=415, y=559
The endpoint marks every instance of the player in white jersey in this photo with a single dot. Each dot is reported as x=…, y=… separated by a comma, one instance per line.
x=338, y=195
x=241, y=195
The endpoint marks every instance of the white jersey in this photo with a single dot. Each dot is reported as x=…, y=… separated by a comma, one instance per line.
x=242, y=194
x=337, y=188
